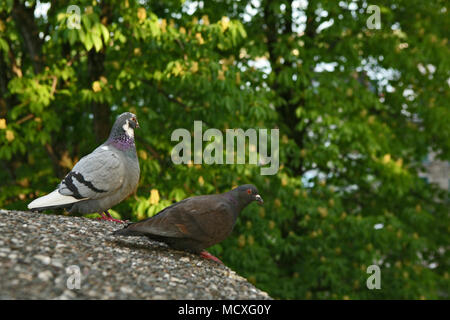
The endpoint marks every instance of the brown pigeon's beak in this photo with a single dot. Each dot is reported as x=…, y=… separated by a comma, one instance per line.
x=259, y=199
x=136, y=123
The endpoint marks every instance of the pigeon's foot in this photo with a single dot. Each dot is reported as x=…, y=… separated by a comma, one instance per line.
x=109, y=217
x=207, y=255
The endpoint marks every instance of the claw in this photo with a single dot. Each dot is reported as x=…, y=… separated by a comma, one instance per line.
x=109, y=217
x=207, y=255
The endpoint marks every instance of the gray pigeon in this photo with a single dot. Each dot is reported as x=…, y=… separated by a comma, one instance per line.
x=101, y=179
x=196, y=223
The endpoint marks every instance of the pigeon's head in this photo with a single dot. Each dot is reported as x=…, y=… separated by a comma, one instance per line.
x=248, y=193
x=126, y=123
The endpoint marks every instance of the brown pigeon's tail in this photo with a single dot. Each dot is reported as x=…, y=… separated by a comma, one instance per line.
x=127, y=231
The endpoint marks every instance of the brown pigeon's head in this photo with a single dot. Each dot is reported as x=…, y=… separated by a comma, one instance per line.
x=248, y=193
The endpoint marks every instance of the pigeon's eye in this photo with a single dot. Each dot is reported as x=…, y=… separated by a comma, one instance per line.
x=249, y=191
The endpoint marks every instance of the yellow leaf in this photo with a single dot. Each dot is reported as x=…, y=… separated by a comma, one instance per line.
x=277, y=203
x=177, y=69
x=163, y=25
x=221, y=75
x=224, y=67
x=141, y=14
x=271, y=224
x=386, y=158
x=199, y=38
x=241, y=240
x=24, y=182
x=201, y=181
x=262, y=212
x=238, y=78
x=205, y=19
x=143, y=154
x=194, y=67
x=182, y=30
x=303, y=153
x=65, y=161
x=154, y=196
x=2, y=123
x=137, y=51
x=96, y=86
x=224, y=23
x=363, y=113
x=103, y=79
x=9, y=135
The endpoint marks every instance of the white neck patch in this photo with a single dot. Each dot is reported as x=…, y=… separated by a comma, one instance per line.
x=128, y=130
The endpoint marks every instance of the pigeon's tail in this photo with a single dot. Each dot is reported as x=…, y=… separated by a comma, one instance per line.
x=127, y=231
x=52, y=200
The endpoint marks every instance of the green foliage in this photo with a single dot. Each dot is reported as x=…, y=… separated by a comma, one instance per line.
x=357, y=110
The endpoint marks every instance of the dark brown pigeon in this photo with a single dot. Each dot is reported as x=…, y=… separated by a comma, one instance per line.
x=196, y=223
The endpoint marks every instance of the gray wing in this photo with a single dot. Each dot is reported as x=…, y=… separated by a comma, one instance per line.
x=96, y=175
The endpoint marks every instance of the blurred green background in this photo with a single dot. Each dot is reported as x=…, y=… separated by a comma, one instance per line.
x=359, y=111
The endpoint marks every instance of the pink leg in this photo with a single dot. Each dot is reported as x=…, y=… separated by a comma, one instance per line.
x=109, y=218
x=207, y=255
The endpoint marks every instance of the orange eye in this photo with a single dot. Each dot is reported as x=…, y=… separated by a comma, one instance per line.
x=249, y=191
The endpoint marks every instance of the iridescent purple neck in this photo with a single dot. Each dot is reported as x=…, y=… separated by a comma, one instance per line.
x=122, y=142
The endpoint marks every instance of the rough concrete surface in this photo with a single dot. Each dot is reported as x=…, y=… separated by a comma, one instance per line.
x=41, y=254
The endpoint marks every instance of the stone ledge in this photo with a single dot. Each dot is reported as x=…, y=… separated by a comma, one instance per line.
x=36, y=250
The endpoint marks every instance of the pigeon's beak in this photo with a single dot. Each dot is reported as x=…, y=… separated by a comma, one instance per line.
x=136, y=123
x=259, y=199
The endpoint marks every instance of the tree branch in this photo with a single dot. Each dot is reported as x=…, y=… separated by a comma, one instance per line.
x=24, y=19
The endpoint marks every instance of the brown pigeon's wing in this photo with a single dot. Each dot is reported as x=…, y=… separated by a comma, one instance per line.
x=197, y=218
